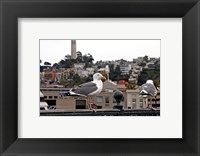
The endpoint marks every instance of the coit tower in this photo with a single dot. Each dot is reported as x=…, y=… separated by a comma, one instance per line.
x=73, y=49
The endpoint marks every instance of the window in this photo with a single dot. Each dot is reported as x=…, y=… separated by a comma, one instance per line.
x=107, y=102
x=45, y=97
x=107, y=99
x=141, y=103
x=99, y=99
x=50, y=97
x=55, y=97
x=133, y=103
x=80, y=104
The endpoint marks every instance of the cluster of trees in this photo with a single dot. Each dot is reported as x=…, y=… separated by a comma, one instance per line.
x=75, y=79
x=152, y=74
x=115, y=73
x=69, y=62
x=46, y=63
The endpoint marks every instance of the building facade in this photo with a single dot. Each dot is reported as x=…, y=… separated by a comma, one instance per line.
x=105, y=100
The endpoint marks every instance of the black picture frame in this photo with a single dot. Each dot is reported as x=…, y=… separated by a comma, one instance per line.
x=11, y=10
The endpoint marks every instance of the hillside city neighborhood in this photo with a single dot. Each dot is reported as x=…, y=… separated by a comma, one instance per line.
x=121, y=75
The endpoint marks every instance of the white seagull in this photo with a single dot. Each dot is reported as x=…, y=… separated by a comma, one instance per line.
x=148, y=89
x=90, y=88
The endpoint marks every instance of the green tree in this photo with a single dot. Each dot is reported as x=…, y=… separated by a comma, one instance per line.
x=143, y=64
x=115, y=75
x=77, y=79
x=117, y=70
x=79, y=56
x=152, y=74
x=62, y=62
x=67, y=64
x=67, y=57
x=47, y=63
x=89, y=78
x=130, y=72
x=156, y=83
x=143, y=77
x=88, y=58
x=112, y=71
x=145, y=58
x=131, y=86
x=55, y=65
x=63, y=82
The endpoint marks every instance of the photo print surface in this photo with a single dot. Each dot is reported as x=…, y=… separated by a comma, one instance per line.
x=99, y=77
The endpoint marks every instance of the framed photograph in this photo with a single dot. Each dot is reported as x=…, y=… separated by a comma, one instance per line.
x=99, y=77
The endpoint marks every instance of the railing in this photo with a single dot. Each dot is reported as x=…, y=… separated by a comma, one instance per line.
x=100, y=112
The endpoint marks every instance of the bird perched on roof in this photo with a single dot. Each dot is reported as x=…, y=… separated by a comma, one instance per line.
x=148, y=89
x=90, y=88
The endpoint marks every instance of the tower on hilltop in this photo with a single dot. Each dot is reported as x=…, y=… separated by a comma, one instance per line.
x=73, y=49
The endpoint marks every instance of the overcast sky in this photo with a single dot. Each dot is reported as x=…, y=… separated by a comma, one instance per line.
x=55, y=50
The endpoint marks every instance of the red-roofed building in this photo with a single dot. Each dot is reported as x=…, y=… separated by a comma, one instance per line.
x=122, y=85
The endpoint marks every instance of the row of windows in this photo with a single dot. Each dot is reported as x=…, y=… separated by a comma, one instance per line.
x=99, y=99
x=134, y=103
x=50, y=97
x=141, y=100
x=134, y=100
